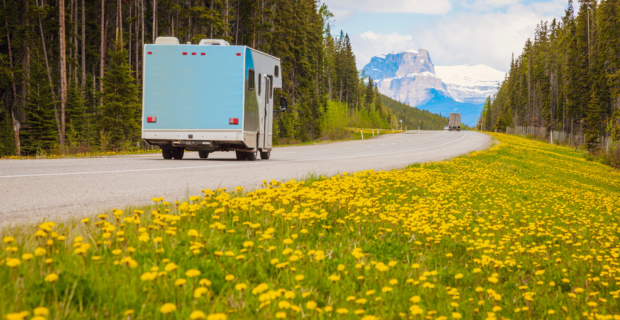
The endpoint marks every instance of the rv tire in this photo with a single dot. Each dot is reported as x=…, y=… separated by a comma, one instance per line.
x=240, y=155
x=177, y=153
x=166, y=153
x=265, y=155
x=251, y=156
x=203, y=154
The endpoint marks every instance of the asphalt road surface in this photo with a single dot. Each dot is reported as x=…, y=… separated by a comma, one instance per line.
x=60, y=189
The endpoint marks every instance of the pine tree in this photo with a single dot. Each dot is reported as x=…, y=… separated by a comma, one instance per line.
x=39, y=134
x=120, y=113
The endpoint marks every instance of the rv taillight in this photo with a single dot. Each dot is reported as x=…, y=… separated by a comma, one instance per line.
x=184, y=53
x=233, y=121
x=151, y=119
x=193, y=53
x=203, y=54
x=150, y=52
x=238, y=54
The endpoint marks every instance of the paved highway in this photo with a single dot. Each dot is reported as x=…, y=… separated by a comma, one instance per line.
x=59, y=189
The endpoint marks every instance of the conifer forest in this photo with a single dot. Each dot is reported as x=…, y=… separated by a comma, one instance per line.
x=70, y=70
x=567, y=78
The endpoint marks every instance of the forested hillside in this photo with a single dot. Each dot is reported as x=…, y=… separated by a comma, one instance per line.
x=70, y=70
x=414, y=117
x=567, y=78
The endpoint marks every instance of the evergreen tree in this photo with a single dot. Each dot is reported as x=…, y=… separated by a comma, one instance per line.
x=120, y=113
x=39, y=133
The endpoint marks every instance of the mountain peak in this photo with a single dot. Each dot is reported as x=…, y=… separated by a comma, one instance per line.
x=410, y=76
x=403, y=64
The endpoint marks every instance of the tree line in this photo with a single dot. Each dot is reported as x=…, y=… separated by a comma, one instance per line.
x=567, y=78
x=71, y=70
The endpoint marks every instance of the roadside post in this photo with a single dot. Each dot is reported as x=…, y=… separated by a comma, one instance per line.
x=362, y=132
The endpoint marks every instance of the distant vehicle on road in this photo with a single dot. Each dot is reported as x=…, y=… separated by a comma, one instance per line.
x=209, y=97
x=446, y=128
x=454, y=122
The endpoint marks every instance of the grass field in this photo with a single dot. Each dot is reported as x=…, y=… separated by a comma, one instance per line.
x=525, y=230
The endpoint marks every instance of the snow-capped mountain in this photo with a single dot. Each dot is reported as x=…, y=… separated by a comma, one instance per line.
x=412, y=78
x=471, y=84
x=405, y=76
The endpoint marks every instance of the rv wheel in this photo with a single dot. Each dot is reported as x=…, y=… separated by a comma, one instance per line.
x=177, y=153
x=203, y=154
x=251, y=156
x=166, y=153
x=240, y=155
x=265, y=155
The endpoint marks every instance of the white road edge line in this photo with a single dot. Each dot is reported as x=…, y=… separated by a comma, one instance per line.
x=228, y=165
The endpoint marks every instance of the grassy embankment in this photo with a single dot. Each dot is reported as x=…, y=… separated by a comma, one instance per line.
x=525, y=230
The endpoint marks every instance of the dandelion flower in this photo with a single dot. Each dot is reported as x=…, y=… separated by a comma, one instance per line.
x=197, y=314
x=41, y=311
x=230, y=277
x=311, y=305
x=168, y=308
x=171, y=267
x=200, y=291
x=192, y=273
x=51, y=278
x=217, y=316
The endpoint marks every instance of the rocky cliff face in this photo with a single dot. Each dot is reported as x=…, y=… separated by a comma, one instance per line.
x=412, y=78
x=398, y=65
x=405, y=76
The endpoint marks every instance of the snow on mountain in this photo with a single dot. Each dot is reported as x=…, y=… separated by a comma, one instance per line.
x=471, y=84
x=412, y=78
x=405, y=76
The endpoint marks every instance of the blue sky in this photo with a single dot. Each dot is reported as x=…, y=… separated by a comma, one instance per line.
x=454, y=31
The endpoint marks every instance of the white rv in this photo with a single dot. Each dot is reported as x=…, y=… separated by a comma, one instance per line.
x=209, y=97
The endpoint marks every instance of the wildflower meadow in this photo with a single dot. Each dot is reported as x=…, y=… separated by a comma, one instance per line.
x=524, y=230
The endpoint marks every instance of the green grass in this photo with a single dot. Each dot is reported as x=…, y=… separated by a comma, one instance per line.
x=525, y=230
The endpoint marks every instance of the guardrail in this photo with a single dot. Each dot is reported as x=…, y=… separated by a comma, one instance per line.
x=573, y=139
x=374, y=132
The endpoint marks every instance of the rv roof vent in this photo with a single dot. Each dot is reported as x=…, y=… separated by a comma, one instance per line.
x=167, y=40
x=213, y=42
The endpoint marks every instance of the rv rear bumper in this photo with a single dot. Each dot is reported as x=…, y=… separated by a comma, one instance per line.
x=210, y=135
x=200, y=139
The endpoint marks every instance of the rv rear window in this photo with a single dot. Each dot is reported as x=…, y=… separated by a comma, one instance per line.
x=259, y=83
x=271, y=87
x=251, y=80
x=277, y=71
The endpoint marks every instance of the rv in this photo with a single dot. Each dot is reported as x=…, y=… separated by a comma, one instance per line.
x=209, y=97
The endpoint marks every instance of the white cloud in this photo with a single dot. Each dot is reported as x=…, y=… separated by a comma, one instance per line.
x=473, y=37
x=369, y=44
x=395, y=6
x=345, y=9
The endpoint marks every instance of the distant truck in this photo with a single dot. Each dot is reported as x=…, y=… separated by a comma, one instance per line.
x=454, y=122
x=209, y=97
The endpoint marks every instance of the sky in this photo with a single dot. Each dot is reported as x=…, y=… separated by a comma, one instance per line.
x=454, y=32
